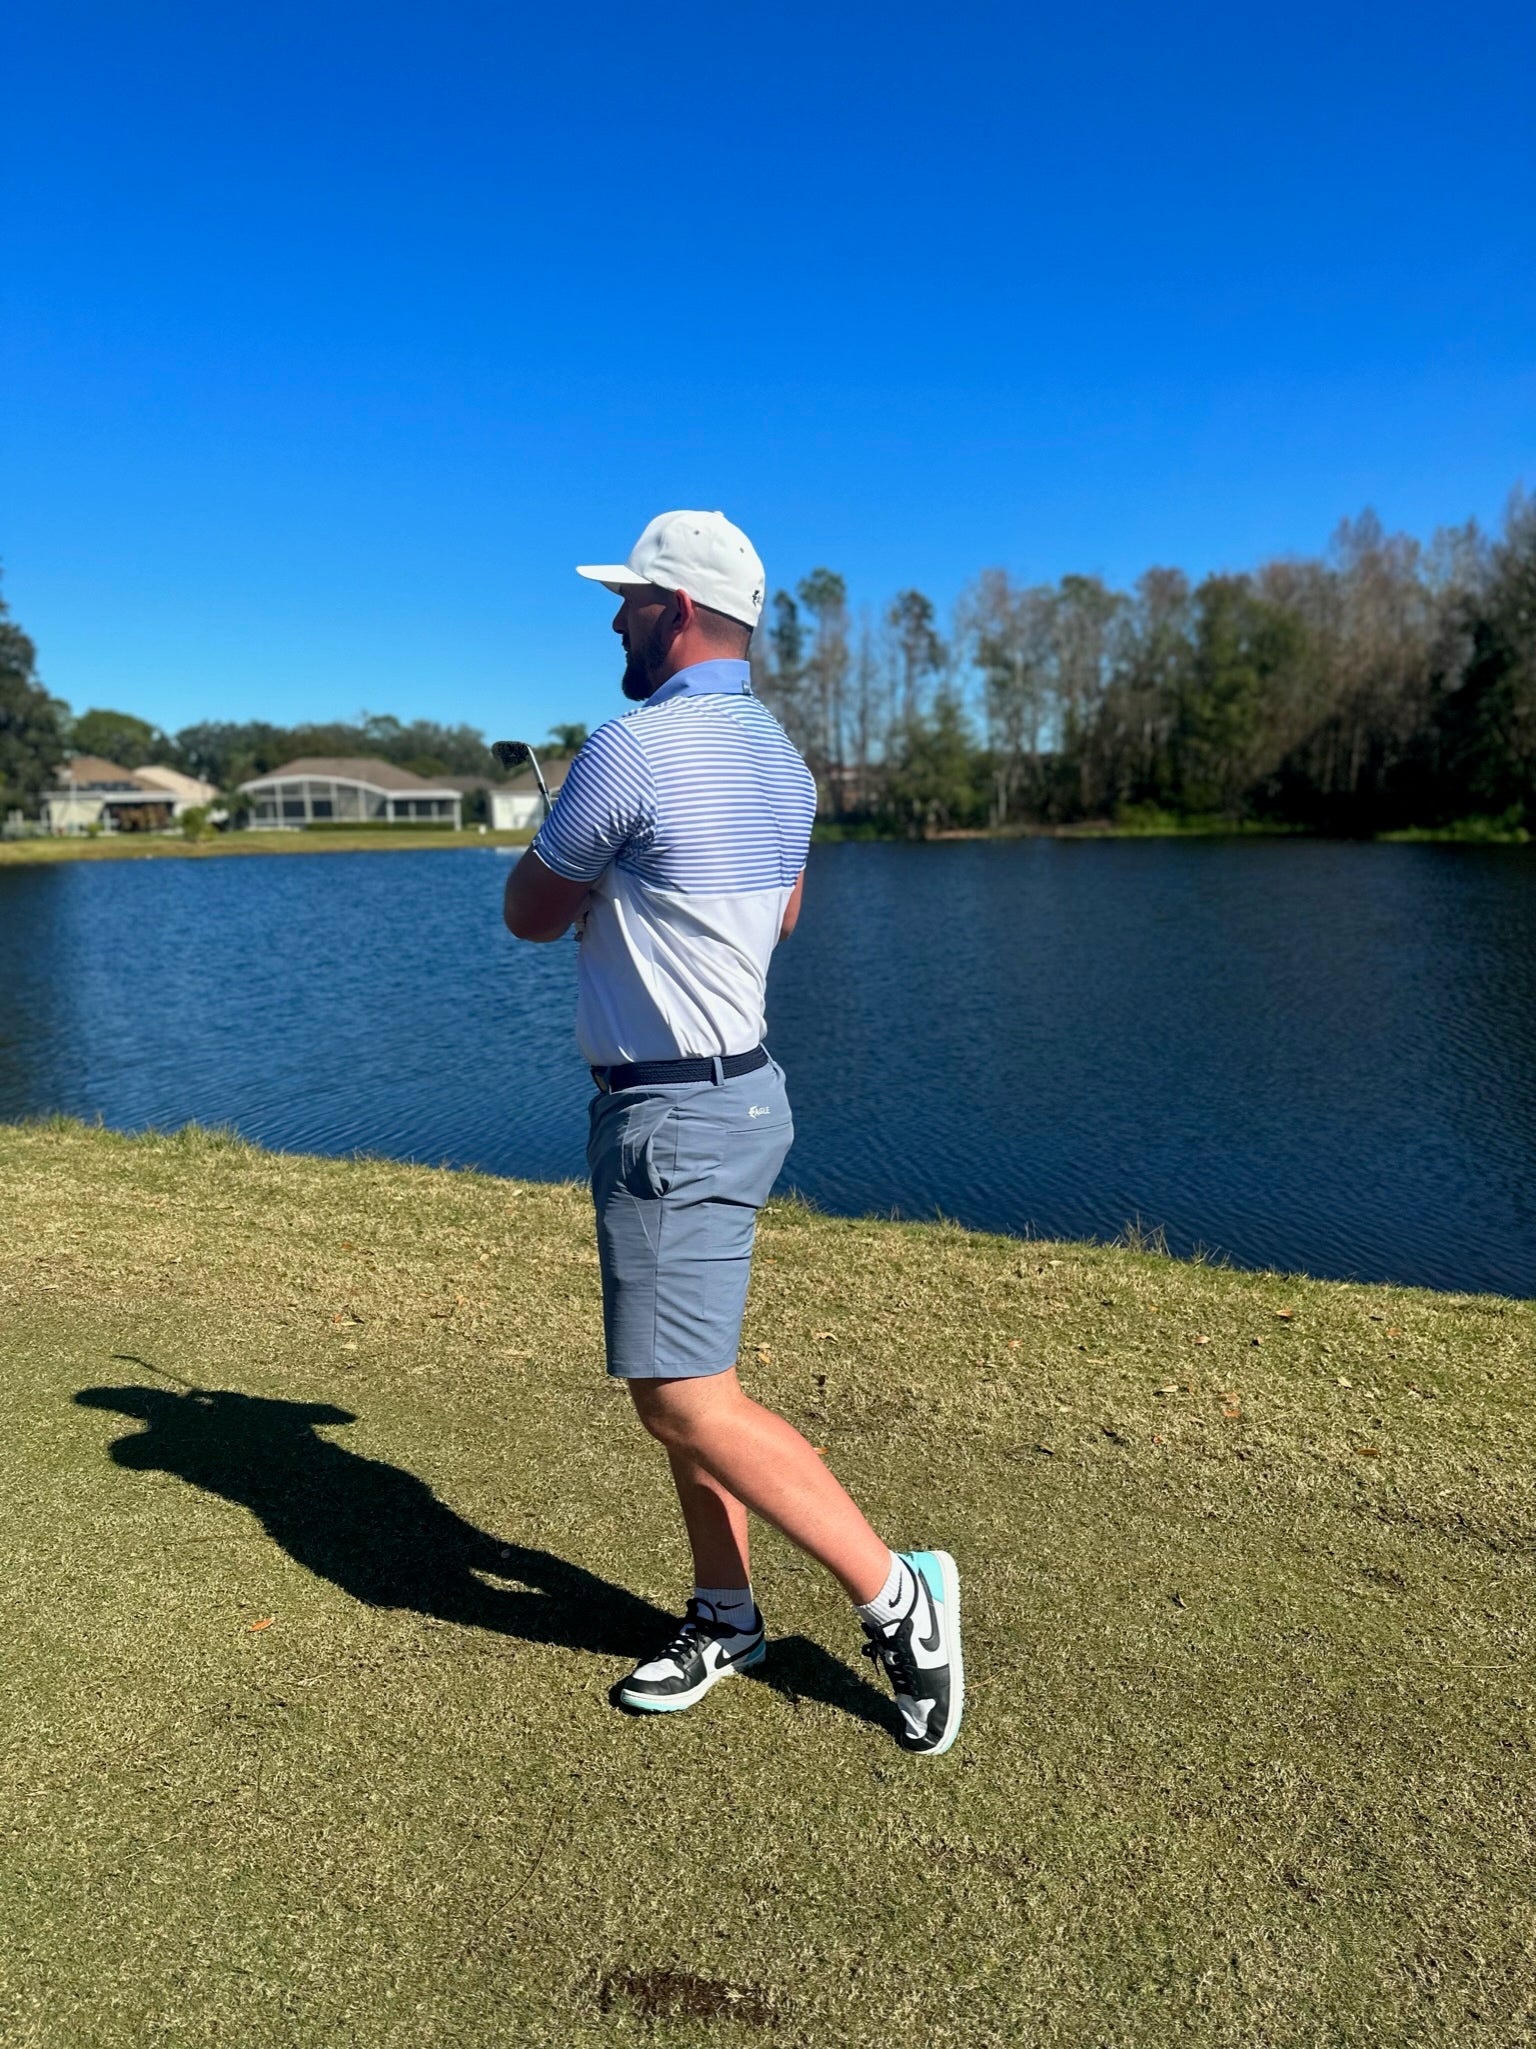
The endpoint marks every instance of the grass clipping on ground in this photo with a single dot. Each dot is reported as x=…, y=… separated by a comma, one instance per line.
x=326, y=1539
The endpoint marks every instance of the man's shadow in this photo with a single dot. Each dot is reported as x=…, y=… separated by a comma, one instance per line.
x=381, y=1534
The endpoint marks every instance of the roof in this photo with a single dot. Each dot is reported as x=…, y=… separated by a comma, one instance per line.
x=353, y=768
x=523, y=785
x=178, y=785
x=95, y=772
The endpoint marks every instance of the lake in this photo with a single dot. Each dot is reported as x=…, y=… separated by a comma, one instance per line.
x=1300, y=1054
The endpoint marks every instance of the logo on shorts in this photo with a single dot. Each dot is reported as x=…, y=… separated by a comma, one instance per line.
x=759, y=1110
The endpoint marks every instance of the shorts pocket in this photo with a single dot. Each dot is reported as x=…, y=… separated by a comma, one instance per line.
x=630, y=1145
x=697, y=1147
x=648, y=1149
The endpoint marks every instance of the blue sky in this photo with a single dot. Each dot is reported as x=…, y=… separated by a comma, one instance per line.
x=333, y=336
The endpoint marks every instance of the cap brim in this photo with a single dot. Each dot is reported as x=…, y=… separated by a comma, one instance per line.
x=614, y=576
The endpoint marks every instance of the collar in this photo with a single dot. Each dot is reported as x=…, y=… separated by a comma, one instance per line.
x=724, y=676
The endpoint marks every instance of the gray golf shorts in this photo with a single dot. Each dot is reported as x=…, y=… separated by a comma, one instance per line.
x=678, y=1177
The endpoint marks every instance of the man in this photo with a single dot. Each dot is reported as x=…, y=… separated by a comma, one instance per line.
x=677, y=846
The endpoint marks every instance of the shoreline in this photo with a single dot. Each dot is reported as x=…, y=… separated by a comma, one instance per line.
x=34, y=853
x=132, y=846
x=1133, y=1240
x=1472, y=834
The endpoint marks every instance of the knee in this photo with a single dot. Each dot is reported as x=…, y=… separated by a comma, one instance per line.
x=685, y=1415
x=664, y=1419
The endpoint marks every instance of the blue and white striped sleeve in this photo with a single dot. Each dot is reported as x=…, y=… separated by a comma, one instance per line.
x=607, y=802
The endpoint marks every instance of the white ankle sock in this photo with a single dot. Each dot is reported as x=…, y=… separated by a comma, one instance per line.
x=734, y=1606
x=894, y=1598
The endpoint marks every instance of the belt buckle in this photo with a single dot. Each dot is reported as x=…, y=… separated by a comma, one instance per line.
x=600, y=1076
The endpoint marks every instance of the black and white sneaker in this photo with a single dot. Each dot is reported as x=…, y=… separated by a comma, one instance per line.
x=921, y=1655
x=703, y=1651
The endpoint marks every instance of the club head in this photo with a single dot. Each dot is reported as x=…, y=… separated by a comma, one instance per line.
x=512, y=753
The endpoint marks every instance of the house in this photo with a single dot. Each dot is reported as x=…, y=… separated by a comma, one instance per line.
x=475, y=791
x=516, y=805
x=318, y=788
x=92, y=794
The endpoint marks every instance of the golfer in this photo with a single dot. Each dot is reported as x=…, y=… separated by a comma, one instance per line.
x=677, y=848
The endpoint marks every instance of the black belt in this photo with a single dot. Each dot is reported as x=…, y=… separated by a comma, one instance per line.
x=656, y=1074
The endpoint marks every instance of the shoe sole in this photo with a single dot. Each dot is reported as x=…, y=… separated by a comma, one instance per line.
x=675, y=1703
x=949, y=1577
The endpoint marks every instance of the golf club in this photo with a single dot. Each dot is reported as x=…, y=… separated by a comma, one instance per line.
x=518, y=754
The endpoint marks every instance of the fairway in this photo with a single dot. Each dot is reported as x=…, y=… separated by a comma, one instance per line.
x=326, y=1539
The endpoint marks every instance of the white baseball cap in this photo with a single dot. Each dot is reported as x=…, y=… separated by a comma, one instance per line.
x=697, y=552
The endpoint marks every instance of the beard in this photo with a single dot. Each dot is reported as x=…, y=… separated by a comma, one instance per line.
x=642, y=677
x=636, y=685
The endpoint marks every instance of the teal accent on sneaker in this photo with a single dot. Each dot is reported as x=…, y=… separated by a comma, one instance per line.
x=941, y=1576
x=699, y=1655
x=927, y=1563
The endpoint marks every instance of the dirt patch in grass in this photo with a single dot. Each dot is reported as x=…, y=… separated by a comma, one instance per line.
x=680, y=1995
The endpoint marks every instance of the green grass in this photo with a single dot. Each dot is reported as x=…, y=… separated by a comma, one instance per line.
x=1248, y=1755
x=143, y=846
x=1139, y=821
x=1151, y=821
x=1506, y=830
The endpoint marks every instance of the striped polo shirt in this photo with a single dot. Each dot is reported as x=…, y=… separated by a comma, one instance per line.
x=690, y=816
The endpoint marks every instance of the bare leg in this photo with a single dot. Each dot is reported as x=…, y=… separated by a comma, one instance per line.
x=717, y=1524
x=764, y=1462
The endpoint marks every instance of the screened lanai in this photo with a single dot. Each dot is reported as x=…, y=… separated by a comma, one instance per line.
x=319, y=790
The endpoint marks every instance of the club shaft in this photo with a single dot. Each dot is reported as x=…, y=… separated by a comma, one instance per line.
x=518, y=754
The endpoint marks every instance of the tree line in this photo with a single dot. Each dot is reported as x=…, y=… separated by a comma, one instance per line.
x=1386, y=684
x=1389, y=683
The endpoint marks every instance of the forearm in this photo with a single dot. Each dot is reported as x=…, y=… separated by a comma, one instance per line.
x=541, y=938
x=539, y=905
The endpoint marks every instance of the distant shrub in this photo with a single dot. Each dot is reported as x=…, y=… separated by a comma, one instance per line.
x=1147, y=818
x=830, y=831
x=1510, y=825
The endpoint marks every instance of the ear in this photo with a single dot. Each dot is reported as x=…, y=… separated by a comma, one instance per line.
x=684, y=613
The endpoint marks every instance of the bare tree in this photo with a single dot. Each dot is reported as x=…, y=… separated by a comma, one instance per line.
x=1005, y=633
x=918, y=654
x=866, y=720
x=778, y=672
x=1084, y=620
x=824, y=596
x=1151, y=649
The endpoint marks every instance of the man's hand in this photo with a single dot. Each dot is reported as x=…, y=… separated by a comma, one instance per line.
x=539, y=904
